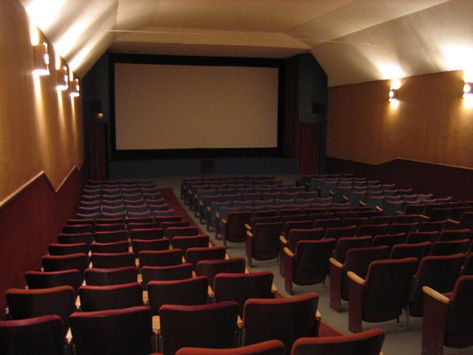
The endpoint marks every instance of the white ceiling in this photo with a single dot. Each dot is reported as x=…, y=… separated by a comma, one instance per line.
x=353, y=40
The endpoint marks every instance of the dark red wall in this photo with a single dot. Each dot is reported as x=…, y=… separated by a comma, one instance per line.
x=29, y=222
x=422, y=177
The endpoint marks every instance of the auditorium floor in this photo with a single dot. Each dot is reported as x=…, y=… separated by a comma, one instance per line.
x=399, y=339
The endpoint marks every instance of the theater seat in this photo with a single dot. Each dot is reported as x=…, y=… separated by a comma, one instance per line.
x=369, y=342
x=114, y=331
x=448, y=319
x=32, y=336
x=270, y=347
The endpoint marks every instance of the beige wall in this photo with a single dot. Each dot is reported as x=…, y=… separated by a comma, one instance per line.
x=432, y=122
x=40, y=130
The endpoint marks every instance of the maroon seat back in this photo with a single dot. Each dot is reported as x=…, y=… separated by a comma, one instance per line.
x=383, y=300
x=459, y=321
x=111, y=236
x=79, y=261
x=407, y=227
x=46, y=279
x=65, y=249
x=78, y=228
x=146, y=233
x=296, y=235
x=194, y=241
x=240, y=287
x=192, y=291
x=450, y=247
x=373, y=229
x=194, y=255
x=265, y=242
x=166, y=273
x=369, y=342
x=38, y=335
x=211, y=268
x=236, y=225
x=389, y=239
x=111, y=276
x=358, y=261
x=340, y=232
x=112, y=260
x=172, y=232
x=310, y=263
x=346, y=243
x=298, y=313
x=270, y=347
x=454, y=234
x=210, y=325
x=418, y=250
x=160, y=257
x=24, y=303
x=73, y=238
x=419, y=237
x=149, y=244
x=112, y=247
x=99, y=298
x=115, y=331
x=437, y=272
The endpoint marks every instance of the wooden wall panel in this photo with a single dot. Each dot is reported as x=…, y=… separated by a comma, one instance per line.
x=40, y=129
x=431, y=123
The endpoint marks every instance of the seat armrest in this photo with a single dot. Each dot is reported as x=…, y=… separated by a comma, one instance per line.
x=288, y=252
x=356, y=278
x=435, y=295
x=249, y=234
x=248, y=227
x=453, y=221
x=336, y=263
x=282, y=239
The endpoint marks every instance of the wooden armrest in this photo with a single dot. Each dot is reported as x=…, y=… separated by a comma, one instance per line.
x=156, y=324
x=69, y=335
x=331, y=193
x=435, y=295
x=227, y=257
x=249, y=234
x=318, y=315
x=362, y=203
x=208, y=208
x=224, y=221
x=247, y=226
x=240, y=323
x=210, y=292
x=345, y=198
x=145, y=297
x=336, y=263
x=355, y=278
x=288, y=252
x=247, y=271
x=453, y=221
x=379, y=209
x=194, y=275
x=424, y=216
x=274, y=288
x=282, y=239
x=217, y=215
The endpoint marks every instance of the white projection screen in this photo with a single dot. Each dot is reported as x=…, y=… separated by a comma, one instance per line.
x=161, y=106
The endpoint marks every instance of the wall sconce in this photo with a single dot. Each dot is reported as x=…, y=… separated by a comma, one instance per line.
x=74, y=88
x=41, y=59
x=393, y=94
x=467, y=89
x=62, y=77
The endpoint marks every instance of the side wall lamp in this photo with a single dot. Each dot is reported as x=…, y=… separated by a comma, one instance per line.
x=74, y=88
x=393, y=94
x=467, y=89
x=41, y=59
x=62, y=77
